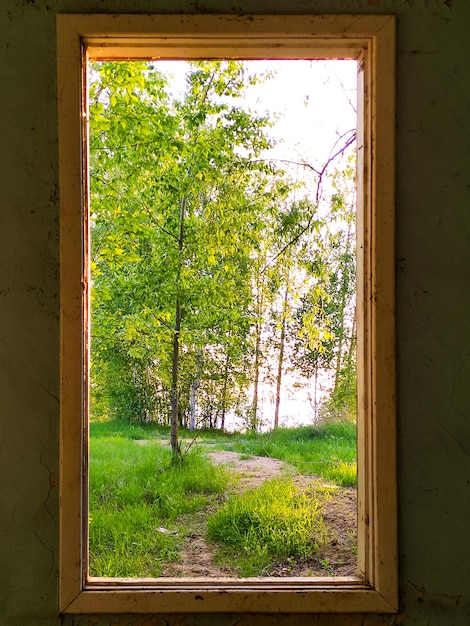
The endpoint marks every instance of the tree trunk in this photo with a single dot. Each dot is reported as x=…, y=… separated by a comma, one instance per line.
x=257, y=365
x=280, y=361
x=344, y=288
x=315, y=393
x=194, y=387
x=224, y=392
x=351, y=355
x=175, y=447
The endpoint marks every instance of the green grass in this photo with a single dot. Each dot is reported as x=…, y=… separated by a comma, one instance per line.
x=120, y=428
x=327, y=450
x=273, y=522
x=138, y=497
x=136, y=494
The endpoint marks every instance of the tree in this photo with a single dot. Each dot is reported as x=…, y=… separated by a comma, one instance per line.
x=178, y=205
x=326, y=317
x=205, y=267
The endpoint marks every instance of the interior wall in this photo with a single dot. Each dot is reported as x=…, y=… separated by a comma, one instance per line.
x=433, y=298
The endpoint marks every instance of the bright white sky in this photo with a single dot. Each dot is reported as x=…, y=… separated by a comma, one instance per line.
x=315, y=102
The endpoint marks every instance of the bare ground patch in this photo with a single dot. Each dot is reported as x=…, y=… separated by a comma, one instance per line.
x=338, y=557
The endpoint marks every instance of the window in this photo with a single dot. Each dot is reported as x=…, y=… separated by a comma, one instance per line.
x=370, y=41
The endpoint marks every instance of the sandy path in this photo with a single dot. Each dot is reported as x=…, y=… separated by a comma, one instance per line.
x=340, y=513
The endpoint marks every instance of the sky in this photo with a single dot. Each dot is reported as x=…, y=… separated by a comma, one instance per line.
x=314, y=102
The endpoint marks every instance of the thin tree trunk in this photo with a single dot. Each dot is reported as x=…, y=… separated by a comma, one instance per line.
x=224, y=392
x=194, y=387
x=344, y=286
x=280, y=361
x=352, y=346
x=339, y=355
x=175, y=447
x=257, y=365
x=315, y=393
x=254, y=406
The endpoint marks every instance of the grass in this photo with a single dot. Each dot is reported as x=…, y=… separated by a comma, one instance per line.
x=126, y=430
x=327, y=450
x=137, y=497
x=136, y=494
x=273, y=522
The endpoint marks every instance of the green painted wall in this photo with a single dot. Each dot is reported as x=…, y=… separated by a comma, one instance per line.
x=433, y=305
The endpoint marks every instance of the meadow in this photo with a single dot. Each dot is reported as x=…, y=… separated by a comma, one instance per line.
x=142, y=506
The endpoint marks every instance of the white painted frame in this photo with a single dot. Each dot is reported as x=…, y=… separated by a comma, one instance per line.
x=370, y=39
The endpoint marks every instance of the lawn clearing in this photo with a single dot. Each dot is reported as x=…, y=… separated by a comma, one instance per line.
x=136, y=494
x=149, y=518
x=327, y=450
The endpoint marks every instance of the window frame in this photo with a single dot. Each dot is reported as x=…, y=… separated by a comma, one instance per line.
x=370, y=39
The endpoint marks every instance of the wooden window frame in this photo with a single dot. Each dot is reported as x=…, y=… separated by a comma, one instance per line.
x=370, y=39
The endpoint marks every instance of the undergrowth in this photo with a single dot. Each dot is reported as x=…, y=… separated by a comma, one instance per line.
x=136, y=494
x=273, y=522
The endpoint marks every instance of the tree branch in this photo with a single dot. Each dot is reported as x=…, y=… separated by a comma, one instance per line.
x=350, y=140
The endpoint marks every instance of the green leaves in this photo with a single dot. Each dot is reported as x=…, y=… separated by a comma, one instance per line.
x=151, y=152
x=193, y=237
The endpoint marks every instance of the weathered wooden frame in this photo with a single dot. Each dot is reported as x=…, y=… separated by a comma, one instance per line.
x=371, y=40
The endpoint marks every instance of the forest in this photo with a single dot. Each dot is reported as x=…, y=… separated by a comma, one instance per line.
x=215, y=269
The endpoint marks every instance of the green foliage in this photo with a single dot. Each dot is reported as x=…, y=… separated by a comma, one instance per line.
x=114, y=392
x=324, y=323
x=195, y=238
x=272, y=522
x=178, y=199
x=126, y=430
x=342, y=404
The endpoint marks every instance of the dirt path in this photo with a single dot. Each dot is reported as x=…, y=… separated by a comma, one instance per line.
x=338, y=557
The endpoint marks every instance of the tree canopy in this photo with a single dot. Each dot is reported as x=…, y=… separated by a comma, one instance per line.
x=212, y=267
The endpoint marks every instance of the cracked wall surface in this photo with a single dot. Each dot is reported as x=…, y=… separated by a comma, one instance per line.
x=433, y=304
